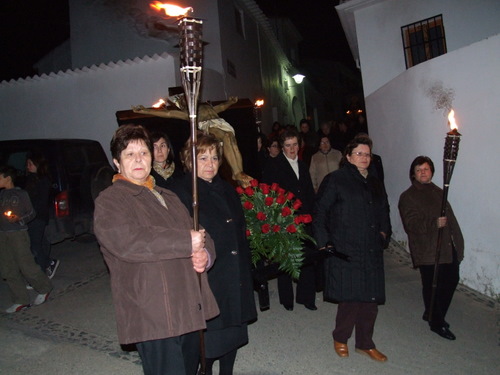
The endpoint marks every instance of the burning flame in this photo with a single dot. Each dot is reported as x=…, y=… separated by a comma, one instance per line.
x=170, y=9
x=8, y=213
x=160, y=103
x=451, y=120
x=259, y=102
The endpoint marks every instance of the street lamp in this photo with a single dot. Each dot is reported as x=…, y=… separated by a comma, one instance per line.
x=298, y=78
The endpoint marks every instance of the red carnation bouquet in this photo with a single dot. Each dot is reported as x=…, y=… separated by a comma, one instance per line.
x=275, y=232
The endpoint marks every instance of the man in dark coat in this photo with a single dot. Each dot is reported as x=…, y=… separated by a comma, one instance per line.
x=293, y=175
x=351, y=218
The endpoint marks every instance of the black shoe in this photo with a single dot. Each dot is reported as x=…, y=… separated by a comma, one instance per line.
x=311, y=306
x=425, y=318
x=263, y=292
x=444, y=332
x=288, y=307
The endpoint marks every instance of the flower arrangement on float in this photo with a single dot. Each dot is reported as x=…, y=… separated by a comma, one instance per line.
x=276, y=234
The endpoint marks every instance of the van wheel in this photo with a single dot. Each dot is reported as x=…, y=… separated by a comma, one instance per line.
x=102, y=179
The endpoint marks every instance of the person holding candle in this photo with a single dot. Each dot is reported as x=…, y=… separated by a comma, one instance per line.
x=351, y=220
x=420, y=211
x=157, y=262
x=221, y=214
x=17, y=265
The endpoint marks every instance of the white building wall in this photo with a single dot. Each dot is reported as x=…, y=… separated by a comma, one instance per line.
x=407, y=118
x=82, y=103
x=378, y=29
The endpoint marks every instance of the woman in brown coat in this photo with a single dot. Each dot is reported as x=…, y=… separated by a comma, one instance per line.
x=155, y=261
x=420, y=210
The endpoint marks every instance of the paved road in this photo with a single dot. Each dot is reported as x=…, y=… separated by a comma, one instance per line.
x=74, y=332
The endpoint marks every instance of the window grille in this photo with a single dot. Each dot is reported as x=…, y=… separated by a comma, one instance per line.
x=423, y=40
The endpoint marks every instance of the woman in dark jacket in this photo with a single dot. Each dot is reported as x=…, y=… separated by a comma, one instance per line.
x=163, y=169
x=420, y=210
x=221, y=214
x=38, y=188
x=351, y=220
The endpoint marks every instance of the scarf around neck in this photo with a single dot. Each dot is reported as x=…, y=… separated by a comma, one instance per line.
x=164, y=172
x=149, y=183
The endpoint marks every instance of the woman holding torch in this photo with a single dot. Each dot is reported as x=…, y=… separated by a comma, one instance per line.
x=420, y=210
x=157, y=262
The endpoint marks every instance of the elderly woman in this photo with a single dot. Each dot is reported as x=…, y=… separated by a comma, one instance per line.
x=163, y=169
x=221, y=214
x=420, y=210
x=156, y=261
x=352, y=221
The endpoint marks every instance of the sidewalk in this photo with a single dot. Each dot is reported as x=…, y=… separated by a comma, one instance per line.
x=74, y=331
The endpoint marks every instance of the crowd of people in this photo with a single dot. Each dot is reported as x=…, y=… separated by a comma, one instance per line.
x=175, y=281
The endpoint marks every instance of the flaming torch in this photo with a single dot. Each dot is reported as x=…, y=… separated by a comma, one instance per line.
x=259, y=103
x=191, y=59
x=191, y=56
x=451, y=143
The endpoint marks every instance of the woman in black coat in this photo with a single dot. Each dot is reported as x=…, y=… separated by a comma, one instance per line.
x=351, y=220
x=221, y=214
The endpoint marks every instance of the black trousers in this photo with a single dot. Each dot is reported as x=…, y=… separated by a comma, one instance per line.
x=40, y=246
x=359, y=315
x=178, y=355
x=448, y=277
x=306, y=287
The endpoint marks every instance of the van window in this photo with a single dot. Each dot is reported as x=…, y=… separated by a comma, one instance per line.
x=74, y=158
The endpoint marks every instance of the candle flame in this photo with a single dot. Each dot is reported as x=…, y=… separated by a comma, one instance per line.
x=451, y=120
x=8, y=213
x=170, y=10
x=259, y=102
x=160, y=103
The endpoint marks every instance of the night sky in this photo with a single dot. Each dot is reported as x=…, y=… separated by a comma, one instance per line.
x=31, y=28
x=319, y=24
x=28, y=30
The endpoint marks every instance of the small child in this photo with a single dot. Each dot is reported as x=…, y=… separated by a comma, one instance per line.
x=17, y=265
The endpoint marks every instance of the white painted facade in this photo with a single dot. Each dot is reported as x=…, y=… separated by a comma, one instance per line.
x=407, y=114
x=81, y=103
x=373, y=29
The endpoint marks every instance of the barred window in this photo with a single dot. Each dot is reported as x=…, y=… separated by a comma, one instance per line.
x=423, y=40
